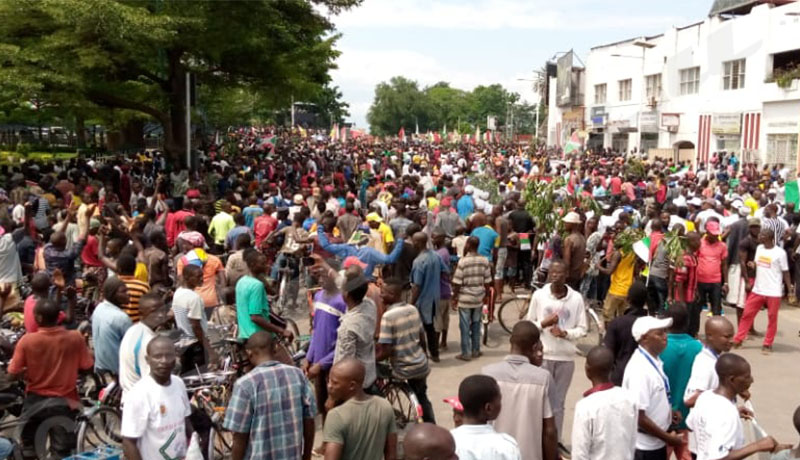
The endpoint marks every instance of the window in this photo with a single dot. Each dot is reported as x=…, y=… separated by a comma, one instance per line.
x=690, y=81
x=733, y=75
x=600, y=94
x=624, y=90
x=781, y=149
x=653, y=86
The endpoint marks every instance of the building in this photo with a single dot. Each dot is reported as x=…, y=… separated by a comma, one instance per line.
x=695, y=90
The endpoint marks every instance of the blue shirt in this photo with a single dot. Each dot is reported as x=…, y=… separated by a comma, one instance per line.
x=487, y=237
x=365, y=254
x=109, y=324
x=426, y=273
x=250, y=214
x=230, y=238
x=678, y=359
x=328, y=312
x=270, y=403
x=465, y=206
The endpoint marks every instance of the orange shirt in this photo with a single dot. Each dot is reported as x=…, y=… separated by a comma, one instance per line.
x=208, y=290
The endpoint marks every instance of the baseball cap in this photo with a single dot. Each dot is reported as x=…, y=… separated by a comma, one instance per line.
x=353, y=260
x=454, y=403
x=645, y=324
x=754, y=222
x=374, y=217
x=572, y=217
x=713, y=228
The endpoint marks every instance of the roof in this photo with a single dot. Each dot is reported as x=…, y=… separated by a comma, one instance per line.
x=627, y=40
x=740, y=6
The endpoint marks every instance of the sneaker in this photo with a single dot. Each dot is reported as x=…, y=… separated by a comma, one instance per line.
x=435, y=359
x=477, y=354
x=463, y=357
x=766, y=350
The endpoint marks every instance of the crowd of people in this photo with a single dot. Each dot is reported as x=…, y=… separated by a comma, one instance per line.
x=390, y=238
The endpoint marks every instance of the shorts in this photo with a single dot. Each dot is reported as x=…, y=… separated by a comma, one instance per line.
x=613, y=307
x=500, y=267
x=441, y=318
x=13, y=298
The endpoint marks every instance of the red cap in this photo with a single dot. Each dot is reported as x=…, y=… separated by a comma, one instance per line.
x=454, y=403
x=712, y=227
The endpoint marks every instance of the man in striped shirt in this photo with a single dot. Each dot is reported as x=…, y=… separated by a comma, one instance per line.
x=126, y=266
x=471, y=282
x=399, y=340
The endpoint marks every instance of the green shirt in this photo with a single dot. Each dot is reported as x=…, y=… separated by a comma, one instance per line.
x=361, y=427
x=251, y=299
x=678, y=358
x=219, y=227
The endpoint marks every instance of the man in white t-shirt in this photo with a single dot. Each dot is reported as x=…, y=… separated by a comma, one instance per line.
x=190, y=310
x=715, y=419
x=133, y=348
x=772, y=273
x=606, y=419
x=156, y=409
x=476, y=438
x=645, y=379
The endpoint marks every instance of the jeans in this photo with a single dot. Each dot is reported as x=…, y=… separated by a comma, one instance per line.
x=420, y=388
x=562, y=372
x=589, y=287
x=656, y=294
x=6, y=448
x=469, y=323
x=706, y=292
x=48, y=415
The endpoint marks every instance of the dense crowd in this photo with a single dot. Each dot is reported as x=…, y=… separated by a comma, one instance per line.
x=388, y=238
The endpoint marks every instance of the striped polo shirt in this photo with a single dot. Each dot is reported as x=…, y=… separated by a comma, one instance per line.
x=136, y=289
x=472, y=274
x=400, y=328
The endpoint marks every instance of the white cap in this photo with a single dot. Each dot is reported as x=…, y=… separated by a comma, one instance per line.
x=572, y=217
x=645, y=324
x=469, y=189
x=696, y=201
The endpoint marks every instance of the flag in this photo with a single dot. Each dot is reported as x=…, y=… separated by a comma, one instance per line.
x=642, y=249
x=573, y=144
x=792, y=193
x=334, y=131
x=416, y=131
x=303, y=132
x=478, y=134
x=524, y=241
x=402, y=134
x=344, y=133
x=437, y=139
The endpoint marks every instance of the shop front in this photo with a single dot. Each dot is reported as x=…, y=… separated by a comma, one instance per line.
x=648, y=121
x=727, y=131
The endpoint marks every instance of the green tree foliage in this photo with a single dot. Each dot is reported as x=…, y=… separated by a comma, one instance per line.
x=134, y=54
x=330, y=108
x=401, y=103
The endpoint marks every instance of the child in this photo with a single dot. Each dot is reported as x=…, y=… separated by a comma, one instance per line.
x=786, y=452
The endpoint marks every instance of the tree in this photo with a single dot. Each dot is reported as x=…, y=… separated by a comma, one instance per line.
x=399, y=103
x=447, y=105
x=330, y=108
x=134, y=54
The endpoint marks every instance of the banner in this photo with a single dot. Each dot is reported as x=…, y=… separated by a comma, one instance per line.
x=792, y=193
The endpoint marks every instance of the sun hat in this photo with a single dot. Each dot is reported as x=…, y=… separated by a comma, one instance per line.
x=572, y=217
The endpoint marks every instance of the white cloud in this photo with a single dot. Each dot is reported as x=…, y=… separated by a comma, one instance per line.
x=496, y=14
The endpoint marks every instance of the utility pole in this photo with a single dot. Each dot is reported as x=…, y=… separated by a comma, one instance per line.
x=188, y=122
x=292, y=110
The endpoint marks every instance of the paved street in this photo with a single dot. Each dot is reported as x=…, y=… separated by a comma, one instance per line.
x=775, y=394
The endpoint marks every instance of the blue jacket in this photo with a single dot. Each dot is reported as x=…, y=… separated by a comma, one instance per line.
x=365, y=254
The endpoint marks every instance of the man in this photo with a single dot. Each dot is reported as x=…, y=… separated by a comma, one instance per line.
x=574, y=250
x=622, y=268
x=441, y=322
x=365, y=254
x=362, y=427
x=190, y=312
x=376, y=223
x=719, y=340
x=219, y=227
x=502, y=227
x=772, y=273
x=476, y=438
x=489, y=239
x=241, y=228
x=348, y=222
x=109, y=324
x=155, y=418
x=646, y=380
x=471, y=283
x=712, y=272
x=426, y=441
x=252, y=212
x=10, y=268
x=252, y=307
x=447, y=219
x=715, y=418
x=274, y=424
x=56, y=254
x=525, y=389
x=426, y=275
x=126, y=267
x=132, y=350
x=49, y=361
x=618, y=337
x=465, y=206
x=156, y=260
x=678, y=357
x=264, y=224
x=742, y=242
x=399, y=341
x=355, y=336
x=605, y=421
x=559, y=312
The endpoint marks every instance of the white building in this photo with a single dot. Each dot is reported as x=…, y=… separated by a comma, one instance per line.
x=696, y=90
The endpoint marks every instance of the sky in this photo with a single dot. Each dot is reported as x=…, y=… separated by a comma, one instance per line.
x=480, y=42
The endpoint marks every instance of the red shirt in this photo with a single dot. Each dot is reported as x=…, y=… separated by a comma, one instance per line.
x=176, y=223
x=709, y=260
x=262, y=226
x=616, y=185
x=89, y=252
x=688, y=275
x=51, y=359
x=29, y=318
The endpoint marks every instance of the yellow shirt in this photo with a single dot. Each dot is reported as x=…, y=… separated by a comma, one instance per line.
x=141, y=273
x=622, y=278
x=386, y=234
x=433, y=203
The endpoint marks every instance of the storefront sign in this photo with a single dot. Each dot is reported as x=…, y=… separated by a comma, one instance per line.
x=726, y=123
x=648, y=122
x=573, y=116
x=670, y=120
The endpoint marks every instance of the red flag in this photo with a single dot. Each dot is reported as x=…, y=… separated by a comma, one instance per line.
x=437, y=138
x=402, y=133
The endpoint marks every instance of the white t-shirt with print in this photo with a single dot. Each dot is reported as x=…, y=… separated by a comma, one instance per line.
x=717, y=426
x=770, y=265
x=156, y=416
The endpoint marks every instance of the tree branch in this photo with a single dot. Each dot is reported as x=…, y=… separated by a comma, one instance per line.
x=110, y=100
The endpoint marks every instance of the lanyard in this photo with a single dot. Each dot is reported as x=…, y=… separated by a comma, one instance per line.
x=660, y=374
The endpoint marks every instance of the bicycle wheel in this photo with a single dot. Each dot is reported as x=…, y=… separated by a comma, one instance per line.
x=594, y=333
x=402, y=405
x=513, y=311
x=99, y=427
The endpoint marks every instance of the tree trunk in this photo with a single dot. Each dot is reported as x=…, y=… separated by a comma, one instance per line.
x=175, y=128
x=80, y=130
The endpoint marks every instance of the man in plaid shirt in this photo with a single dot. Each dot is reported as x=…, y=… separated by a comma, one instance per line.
x=271, y=413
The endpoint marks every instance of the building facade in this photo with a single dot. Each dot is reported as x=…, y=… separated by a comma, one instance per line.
x=696, y=90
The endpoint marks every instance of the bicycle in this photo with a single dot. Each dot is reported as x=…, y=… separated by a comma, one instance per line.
x=515, y=309
x=398, y=393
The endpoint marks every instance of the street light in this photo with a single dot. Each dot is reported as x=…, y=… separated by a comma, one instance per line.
x=537, y=88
